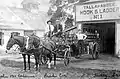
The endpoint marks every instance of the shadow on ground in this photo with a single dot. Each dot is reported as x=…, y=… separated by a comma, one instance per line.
x=12, y=63
x=78, y=72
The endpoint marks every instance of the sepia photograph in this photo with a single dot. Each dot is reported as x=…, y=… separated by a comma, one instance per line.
x=59, y=39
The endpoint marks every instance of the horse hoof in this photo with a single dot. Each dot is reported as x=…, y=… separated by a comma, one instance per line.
x=24, y=70
x=28, y=70
x=55, y=68
x=49, y=67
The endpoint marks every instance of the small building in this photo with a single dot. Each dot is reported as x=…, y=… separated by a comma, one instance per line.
x=103, y=16
x=21, y=21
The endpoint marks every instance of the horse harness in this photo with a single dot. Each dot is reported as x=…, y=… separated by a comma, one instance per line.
x=23, y=47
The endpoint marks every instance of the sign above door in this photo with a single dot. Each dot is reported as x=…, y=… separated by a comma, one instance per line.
x=98, y=11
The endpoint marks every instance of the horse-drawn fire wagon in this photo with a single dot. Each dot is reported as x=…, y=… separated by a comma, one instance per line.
x=67, y=47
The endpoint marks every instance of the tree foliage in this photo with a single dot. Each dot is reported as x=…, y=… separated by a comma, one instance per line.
x=58, y=3
x=59, y=9
x=62, y=10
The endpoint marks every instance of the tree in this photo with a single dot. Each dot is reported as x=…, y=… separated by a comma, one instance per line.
x=62, y=10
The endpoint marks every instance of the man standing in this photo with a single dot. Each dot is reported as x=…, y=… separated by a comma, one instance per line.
x=49, y=28
x=58, y=28
x=97, y=35
x=81, y=37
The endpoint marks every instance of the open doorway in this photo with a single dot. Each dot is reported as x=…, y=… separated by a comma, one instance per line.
x=1, y=38
x=107, y=35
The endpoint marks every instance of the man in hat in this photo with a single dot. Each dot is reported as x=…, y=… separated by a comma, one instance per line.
x=49, y=28
x=57, y=28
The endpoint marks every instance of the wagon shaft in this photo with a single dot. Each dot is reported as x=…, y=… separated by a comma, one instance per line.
x=49, y=49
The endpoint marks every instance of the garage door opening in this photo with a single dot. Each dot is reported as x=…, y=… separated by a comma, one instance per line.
x=106, y=33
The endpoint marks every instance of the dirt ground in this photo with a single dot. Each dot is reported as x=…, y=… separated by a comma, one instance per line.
x=106, y=67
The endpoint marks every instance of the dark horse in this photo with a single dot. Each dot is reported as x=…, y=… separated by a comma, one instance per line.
x=43, y=47
x=21, y=41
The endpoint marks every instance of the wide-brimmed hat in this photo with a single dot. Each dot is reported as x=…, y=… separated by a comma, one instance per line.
x=57, y=20
x=49, y=21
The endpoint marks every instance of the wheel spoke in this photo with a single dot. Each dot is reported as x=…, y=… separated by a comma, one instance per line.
x=67, y=58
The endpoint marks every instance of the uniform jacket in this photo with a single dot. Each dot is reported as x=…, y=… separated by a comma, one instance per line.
x=57, y=28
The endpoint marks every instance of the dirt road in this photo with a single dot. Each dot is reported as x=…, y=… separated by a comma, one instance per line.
x=106, y=67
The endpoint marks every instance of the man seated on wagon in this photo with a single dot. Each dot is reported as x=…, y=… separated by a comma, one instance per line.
x=49, y=28
x=81, y=37
x=58, y=29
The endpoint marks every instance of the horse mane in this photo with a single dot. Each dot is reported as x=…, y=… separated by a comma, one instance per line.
x=18, y=38
x=12, y=36
x=42, y=41
x=36, y=40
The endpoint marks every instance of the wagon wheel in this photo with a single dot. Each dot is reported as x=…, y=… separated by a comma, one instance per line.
x=95, y=51
x=43, y=59
x=67, y=56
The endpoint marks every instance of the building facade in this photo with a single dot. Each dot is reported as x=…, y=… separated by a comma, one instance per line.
x=5, y=33
x=21, y=21
x=103, y=17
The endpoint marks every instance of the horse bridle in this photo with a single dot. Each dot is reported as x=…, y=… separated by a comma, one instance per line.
x=15, y=40
x=21, y=47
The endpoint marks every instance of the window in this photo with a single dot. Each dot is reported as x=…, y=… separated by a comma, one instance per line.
x=28, y=32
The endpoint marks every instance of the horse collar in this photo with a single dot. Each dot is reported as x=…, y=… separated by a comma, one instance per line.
x=23, y=48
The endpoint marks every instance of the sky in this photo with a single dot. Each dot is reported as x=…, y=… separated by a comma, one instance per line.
x=10, y=2
x=44, y=4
